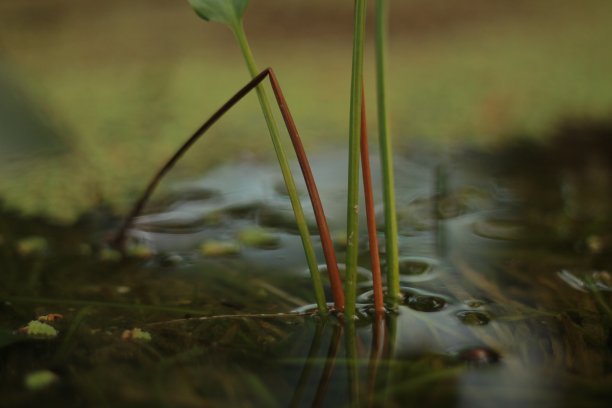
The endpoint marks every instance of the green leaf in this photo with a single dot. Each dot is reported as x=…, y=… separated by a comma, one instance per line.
x=228, y=12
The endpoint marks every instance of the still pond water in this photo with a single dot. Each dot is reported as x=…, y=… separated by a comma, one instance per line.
x=505, y=261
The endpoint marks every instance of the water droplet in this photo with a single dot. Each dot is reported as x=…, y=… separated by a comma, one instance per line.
x=479, y=356
x=473, y=318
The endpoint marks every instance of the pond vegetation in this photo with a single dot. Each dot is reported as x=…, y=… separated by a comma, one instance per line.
x=503, y=278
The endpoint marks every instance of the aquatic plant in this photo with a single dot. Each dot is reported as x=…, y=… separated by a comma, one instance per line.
x=230, y=13
x=386, y=151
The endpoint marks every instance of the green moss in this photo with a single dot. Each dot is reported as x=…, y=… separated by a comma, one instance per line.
x=219, y=248
x=259, y=238
x=39, y=380
x=40, y=329
x=32, y=246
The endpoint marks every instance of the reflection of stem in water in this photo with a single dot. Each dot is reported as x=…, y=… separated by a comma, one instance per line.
x=376, y=351
x=351, y=362
x=441, y=192
x=315, y=345
x=328, y=369
x=390, y=339
x=164, y=365
x=600, y=302
x=67, y=342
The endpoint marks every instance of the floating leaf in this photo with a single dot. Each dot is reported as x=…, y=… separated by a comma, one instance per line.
x=136, y=334
x=39, y=380
x=228, y=12
x=39, y=330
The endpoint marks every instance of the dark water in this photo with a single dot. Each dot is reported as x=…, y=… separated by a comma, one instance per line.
x=505, y=260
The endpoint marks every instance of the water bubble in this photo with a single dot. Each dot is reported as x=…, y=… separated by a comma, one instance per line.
x=473, y=318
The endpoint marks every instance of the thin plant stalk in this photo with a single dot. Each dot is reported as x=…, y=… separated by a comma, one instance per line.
x=326, y=240
x=302, y=225
x=379, y=306
x=352, y=222
x=386, y=151
x=119, y=239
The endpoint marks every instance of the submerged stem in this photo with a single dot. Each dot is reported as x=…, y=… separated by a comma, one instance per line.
x=386, y=153
x=352, y=221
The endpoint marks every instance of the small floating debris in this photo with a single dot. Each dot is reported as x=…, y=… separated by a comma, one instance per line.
x=39, y=380
x=417, y=268
x=219, y=248
x=501, y=229
x=259, y=238
x=39, y=329
x=479, y=356
x=32, y=246
x=136, y=334
x=168, y=260
x=475, y=303
x=473, y=318
x=51, y=317
x=123, y=290
x=588, y=281
x=109, y=255
x=140, y=251
x=425, y=303
x=416, y=265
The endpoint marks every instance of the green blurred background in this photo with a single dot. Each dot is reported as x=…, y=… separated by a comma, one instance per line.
x=115, y=86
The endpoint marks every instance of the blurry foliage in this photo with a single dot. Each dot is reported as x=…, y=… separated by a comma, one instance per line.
x=130, y=84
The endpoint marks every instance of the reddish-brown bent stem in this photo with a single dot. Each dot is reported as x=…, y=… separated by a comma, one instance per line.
x=370, y=214
x=328, y=249
x=326, y=241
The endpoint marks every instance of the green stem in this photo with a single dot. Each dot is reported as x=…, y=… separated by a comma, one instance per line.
x=311, y=258
x=386, y=154
x=352, y=222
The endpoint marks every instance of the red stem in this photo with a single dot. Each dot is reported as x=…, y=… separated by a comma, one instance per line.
x=370, y=213
x=328, y=249
x=326, y=241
